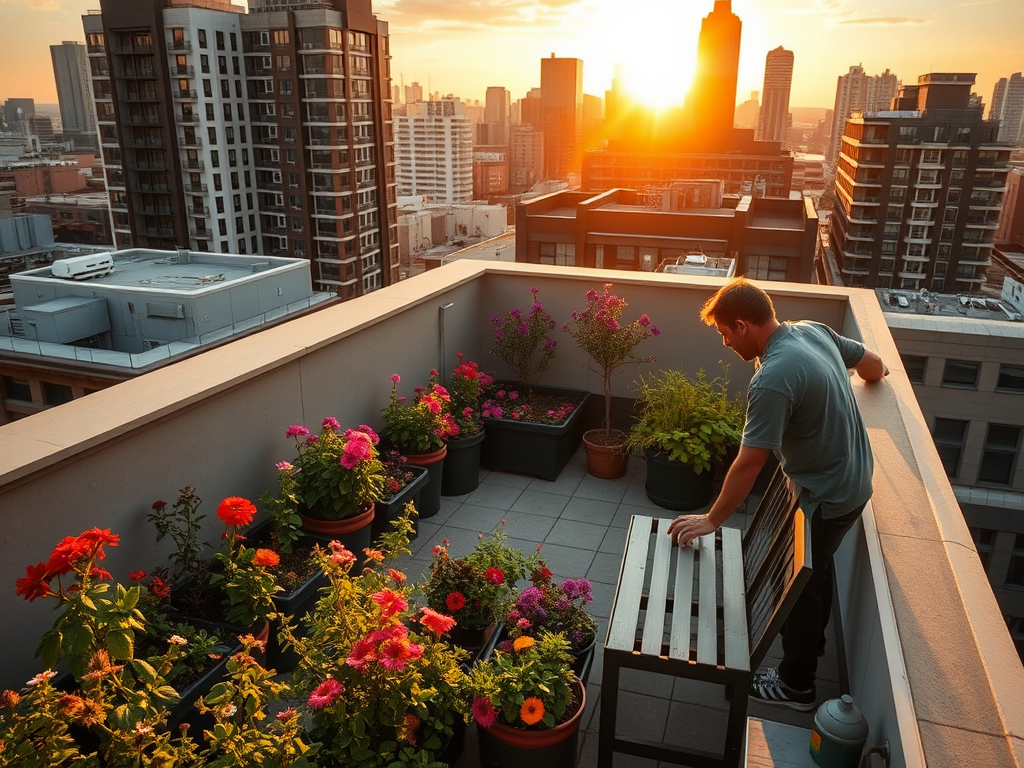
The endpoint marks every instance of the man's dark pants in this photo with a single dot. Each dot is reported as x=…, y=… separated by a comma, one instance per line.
x=804, y=631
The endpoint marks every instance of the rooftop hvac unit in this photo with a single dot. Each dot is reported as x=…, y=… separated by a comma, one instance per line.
x=83, y=267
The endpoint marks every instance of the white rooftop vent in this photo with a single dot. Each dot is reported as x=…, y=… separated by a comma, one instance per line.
x=83, y=267
x=696, y=260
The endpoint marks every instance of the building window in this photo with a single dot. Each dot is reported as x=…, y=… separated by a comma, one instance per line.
x=17, y=389
x=960, y=373
x=914, y=366
x=766, y=268
x=234, y=41
x=1011, y=378
x=1015, y=575
x=222, y=227
x=280, y=36
x=55, y=394
x=202, y=38
x=220, y=40
x=209, y=111
x=949, y=436
x=999, y=458
x=217, y=183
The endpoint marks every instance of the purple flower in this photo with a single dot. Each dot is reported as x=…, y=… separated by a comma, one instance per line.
x=498, y=333
x=523, y=330
x=516, y=313
x=514, y=395
x=550, y=343
x=655, y=331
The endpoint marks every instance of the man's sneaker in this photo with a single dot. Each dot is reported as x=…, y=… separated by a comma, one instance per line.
x=768, y=687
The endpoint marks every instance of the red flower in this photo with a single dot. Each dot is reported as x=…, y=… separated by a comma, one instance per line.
x=363, y=651
x=495, y=576
x=455, y=601
x=236, y=511
x=396, y=576
x=35, y=583
x=390, y=602
x=484, y=712
x=324, y=693
x=160, y=588
x=436, y=622
x=268, y=558
x=100, y=573
x=136, y=576
x=100, y=537
x=66, y=554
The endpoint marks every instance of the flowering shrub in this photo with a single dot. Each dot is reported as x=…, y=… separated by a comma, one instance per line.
x=466, y=385
x=523, y=340
x=381, y=686
x=600, y=333
x=182, y=523
x=423, y=425
x=248, y=584
x=473, y=588
x=548, y=607
x=527, y=686
x=397, y=474
x=283, y=509
x=338, y=473
x=503, y=403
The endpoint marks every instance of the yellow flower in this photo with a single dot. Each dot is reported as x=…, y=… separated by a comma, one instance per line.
x=524, y=642
x=532, y=711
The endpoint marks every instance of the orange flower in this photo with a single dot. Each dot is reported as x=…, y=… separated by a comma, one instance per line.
x=268, y=558
x=374, y=554
x=236, y=511
x=524, y=642
x=532, y=711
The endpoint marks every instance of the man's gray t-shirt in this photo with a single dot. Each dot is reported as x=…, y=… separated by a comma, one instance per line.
x=801, y=405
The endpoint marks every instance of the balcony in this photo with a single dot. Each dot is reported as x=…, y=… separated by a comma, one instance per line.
x=193, y=165
x=183, y=71
x=204, y=234
x=199, y=211
x=927, y=650
x=190, y=141
x=195, y=188
x=180, y=45
x=181, y=94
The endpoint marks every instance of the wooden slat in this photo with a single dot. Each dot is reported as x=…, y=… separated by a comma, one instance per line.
x=682, y=605
x=707, y=624
x=734, y=602
x=626, y=611
x=654, y=622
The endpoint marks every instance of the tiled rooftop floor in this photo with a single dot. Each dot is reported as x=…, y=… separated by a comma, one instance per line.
x=581, y=522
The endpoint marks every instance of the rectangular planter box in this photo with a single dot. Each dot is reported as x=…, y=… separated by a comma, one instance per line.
x=541, y=450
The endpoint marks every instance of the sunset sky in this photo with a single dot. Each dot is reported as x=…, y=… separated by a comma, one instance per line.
x=462, y=47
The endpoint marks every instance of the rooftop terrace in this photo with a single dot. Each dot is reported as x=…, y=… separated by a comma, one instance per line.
x=930, y=660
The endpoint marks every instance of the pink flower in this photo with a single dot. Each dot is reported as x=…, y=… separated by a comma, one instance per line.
x=394, y=654
x=514, y=395
x=331, y=423
x=434, y=372
x=296, y=430
x=644, y=320
x=655, y=331
x=390, y=602
x=363, y=652
x=435, y=621
x=395, y=378
x=283, y=466
x=312, y=439
x=325, y=693
x=535, y=291
x=523, y=623
x=368, y=431
x=434, y=406
x=484, y=712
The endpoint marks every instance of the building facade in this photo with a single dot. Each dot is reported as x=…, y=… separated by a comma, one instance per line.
x=773, y=117
x=711, y=101
x=526, y=158
x=435, y=152
x=1011, y=218
x=856, y=91
x=918, y=191
x=1011, y=110
x=497, y=116
x=561, y=115
x=71, y=73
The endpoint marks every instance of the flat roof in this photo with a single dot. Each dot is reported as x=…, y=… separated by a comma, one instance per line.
x=725, y=212
x=775, y=220
x=166, y=270
x=945, y=305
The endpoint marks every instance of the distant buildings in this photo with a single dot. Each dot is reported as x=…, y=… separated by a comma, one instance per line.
x=434, y=143
x=711, y=101
x=773, y=119
x=747, y=111
x=497, y=117
x=77, y=111
x=857, y=91
x=1008, y=109
x=561, y=115
x=1011, y=218
x=526, y=158
x=918, y=191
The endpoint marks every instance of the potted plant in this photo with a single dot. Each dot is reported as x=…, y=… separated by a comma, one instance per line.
x=474, y=588
x=559, y=609
x=461, y=473
x=403, y=482
x=419, y=430
x=600, y=332
x=684, y=426
x=530, y=430
x=527, y=704
x=339, y=478
x=381, y=685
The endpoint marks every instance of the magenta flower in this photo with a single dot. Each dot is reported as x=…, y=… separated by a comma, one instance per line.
x=513, y=395
x=283, y=466
x=311, y=440
x=331, y=423
x=296, y=430
x=535, y=290
x=655, y=331
x=368, y=431
x=324, y=694
x=516, y=313
x=484, y=712
x=395, y=378
x=644, y=320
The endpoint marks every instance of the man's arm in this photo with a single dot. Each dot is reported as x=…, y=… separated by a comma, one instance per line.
x=685, y=528
x=871, y=367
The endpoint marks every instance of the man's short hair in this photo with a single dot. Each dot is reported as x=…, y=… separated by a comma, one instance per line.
x=739, y=300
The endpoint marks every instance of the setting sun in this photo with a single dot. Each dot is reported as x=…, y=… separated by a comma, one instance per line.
x=658, y=81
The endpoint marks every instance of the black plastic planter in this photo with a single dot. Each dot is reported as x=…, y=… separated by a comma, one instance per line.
x=391, y=509
x=461, y=472
x=541, y=450
x=674, y=485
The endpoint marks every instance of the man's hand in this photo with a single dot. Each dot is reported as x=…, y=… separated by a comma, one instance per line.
x=685, y=528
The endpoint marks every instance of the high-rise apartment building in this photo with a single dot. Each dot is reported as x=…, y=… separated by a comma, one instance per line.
x=711, y=102
x=413, y=93
x=497, y=116
x=561, y=115
x=857, y=91
x=526, y=158
x=997, y=98
x=267, y=132
x=435, y=151
x=174, y=124
x=71, y=73
x=1011, y=111
x=322, y=127
x=773, y=118
x=918, y=191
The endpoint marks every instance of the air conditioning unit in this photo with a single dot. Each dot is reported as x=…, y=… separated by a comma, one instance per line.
x=83, y=267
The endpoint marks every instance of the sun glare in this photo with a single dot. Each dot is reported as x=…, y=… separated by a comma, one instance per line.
x=658, y=84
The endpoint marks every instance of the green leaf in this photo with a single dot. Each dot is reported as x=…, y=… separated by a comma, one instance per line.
x=50, y=648
x=121, y=645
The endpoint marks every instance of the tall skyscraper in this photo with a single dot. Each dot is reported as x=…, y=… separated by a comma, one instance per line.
x=773, y=119
x=561, y=115
x=435, y=151
x=1011, y=111
x=711, y=102
x=918, y=197
x=857, y=91
x=997, y=98
x=497, y=115
x=71, y=73
x=413, y=93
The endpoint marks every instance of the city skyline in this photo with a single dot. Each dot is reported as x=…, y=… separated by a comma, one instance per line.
x=450, y=48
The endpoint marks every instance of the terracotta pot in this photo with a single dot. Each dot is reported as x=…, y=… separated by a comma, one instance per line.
x=430, y=496
x=606, y=461
x=353, y=532
x=502, y=746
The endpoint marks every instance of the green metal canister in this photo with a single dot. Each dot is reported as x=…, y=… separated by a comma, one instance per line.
x=840, y=732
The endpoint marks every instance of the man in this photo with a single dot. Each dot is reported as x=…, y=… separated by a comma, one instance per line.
x=801, y=406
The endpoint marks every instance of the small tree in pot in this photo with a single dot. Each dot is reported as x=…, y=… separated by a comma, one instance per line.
x=600, y=332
